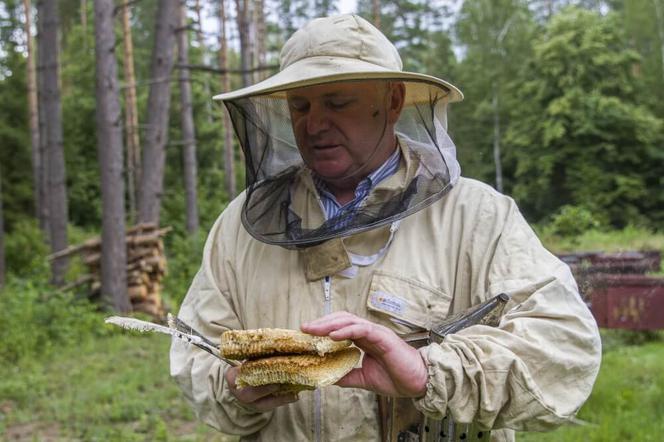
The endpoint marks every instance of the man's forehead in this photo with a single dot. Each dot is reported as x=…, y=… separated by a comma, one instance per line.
x=335, y=89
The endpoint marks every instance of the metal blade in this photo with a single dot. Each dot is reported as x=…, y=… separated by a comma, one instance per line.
x=178, y=324
x=144, y=326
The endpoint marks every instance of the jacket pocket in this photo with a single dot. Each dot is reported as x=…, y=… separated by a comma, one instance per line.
x=405, y=304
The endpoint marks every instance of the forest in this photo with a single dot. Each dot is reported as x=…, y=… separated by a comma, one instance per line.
x=107, y=123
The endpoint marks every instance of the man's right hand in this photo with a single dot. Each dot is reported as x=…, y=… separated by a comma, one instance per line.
x=261, y=398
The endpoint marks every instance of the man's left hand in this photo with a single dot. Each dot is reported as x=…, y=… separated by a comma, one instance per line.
x=390, y=366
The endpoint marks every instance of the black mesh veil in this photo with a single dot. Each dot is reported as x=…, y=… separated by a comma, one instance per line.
x=276, y=175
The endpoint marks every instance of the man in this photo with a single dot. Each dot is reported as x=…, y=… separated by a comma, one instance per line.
x=356, y=224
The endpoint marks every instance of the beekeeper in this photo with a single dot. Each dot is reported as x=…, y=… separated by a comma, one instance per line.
x=355, y=222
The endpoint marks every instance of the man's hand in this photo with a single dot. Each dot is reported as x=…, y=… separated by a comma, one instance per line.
x=390, y=366
x=261, y=398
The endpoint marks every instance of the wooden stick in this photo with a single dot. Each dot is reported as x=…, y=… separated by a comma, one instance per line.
x=80, y=281
x=94, y=243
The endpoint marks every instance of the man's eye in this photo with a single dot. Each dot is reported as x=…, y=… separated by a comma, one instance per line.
x=338, y=104
x=297, y=106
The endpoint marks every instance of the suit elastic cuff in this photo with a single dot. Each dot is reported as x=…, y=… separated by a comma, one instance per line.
x=434, y=403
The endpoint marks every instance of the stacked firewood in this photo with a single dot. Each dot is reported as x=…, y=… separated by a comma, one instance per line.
x=146, y=266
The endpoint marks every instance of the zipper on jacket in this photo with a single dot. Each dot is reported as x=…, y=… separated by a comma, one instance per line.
x=318, y=410
x=327, y=307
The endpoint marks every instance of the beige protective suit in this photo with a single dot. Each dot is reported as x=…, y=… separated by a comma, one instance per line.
x=532, y=373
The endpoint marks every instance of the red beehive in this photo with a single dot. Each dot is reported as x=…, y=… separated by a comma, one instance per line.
x=633, y=302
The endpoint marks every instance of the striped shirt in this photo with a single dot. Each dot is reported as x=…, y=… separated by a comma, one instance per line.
x=331, y=205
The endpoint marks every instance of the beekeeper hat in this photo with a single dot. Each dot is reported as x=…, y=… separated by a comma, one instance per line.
x=343, y=48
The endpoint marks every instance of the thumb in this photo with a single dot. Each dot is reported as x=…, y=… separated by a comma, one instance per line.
x=354, y=379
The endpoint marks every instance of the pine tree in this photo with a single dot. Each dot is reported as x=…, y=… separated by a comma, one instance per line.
x=109, y=145
x=159, y=101
x=51, y=115
x=187, y=122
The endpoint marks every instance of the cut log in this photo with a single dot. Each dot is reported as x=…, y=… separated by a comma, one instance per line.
x=94, y=244
x=151, y=309
x=137, y=292
x=140, y=279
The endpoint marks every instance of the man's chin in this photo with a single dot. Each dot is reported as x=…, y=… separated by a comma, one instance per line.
x=330, y=173
x=332, y=179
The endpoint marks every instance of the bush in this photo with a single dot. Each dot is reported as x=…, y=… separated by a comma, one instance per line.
x=613, y=339
x=573, y=221
x=36, y=320
x=184, y=259
x=26, y=251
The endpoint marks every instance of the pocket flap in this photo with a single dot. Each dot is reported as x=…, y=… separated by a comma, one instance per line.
x=405, y=304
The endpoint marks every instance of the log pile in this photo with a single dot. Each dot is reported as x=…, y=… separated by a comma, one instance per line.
x=146, y=266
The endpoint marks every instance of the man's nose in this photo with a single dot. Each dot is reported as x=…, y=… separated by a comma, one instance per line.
x=317, y=121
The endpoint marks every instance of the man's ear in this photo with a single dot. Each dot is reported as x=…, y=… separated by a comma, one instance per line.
x=397, y=99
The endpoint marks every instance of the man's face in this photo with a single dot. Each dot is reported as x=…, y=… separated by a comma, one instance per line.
x=345, y=130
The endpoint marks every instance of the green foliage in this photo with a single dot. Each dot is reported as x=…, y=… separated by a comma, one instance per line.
x=36, y=320
x=416, y=29
x=184, y=259
x=603, y=240
x=573, y=123
x=111, y=388
x=643, y=21
x=578, y=137
x=497, y=39
x=26, y=251
x=626, y=402
x=79, y=125
x=614, y=339
x=15, y=159
x=572, y=221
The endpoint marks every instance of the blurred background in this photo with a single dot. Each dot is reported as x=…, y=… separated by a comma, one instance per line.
x=109, y=136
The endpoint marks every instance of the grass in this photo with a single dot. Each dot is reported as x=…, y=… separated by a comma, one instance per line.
x=89, y=384
x=627, y=402
x=629, y=238
x=115, y=388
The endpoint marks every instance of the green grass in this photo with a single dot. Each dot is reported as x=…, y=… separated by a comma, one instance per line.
x=114, y=388
x=629, y=238
x=117, y=388
x=627, y=403
x=79, y=380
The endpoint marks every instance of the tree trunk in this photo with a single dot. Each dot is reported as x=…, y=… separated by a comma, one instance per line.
x=261, y=35
x=201, y=43
x=375, y=9
x=188, y=130
x=242, y=9
x=496, y=141
x=84, y=22
x=42, y=176
x=659, y=19
x=33, y=115
x=109, y=148
x=2, y=239
x=229, y=157
x=131, y=114
x=159, y=101
x=55, y=159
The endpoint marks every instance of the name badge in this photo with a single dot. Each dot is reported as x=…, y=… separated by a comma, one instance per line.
x=387, y=302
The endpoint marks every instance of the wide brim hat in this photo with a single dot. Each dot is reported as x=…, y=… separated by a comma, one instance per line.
x=344, y=48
